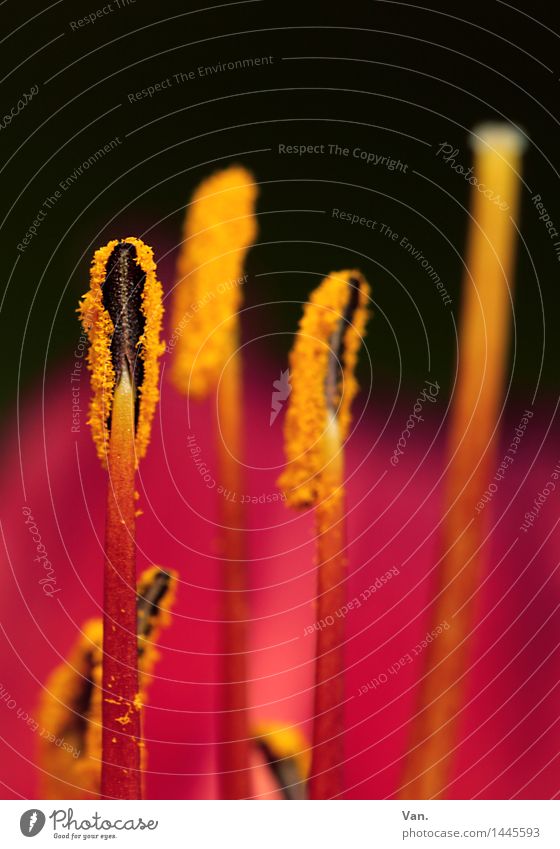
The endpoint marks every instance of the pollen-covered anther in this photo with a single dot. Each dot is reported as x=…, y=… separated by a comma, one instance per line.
x=71, y=703
x=282, y=742
x=122, y=315
x=220, y=226
x=288, y=754
x=322, y=365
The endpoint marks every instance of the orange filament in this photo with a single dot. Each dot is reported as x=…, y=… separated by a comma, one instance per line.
x=220, y=227
x=120, y=776
x=484, y=338
x=317, y=422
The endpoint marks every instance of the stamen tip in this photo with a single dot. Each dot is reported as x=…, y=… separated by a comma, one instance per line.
x=498, y=135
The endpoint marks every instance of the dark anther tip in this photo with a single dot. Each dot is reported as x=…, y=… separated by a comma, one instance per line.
x=336, y=342
x=122, y=298
x=148, y=601
x=285, y=770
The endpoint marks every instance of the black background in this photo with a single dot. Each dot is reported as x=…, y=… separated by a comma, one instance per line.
x=392, y=78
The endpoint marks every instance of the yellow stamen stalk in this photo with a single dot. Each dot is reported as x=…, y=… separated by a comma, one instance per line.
x=484, y=338
x=220, y=227
x=322, y=365
x=122, y=314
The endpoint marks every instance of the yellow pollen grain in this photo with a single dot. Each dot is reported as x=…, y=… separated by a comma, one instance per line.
x=220, y=227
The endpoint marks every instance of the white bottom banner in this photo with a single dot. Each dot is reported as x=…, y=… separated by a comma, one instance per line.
x=254, y=825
